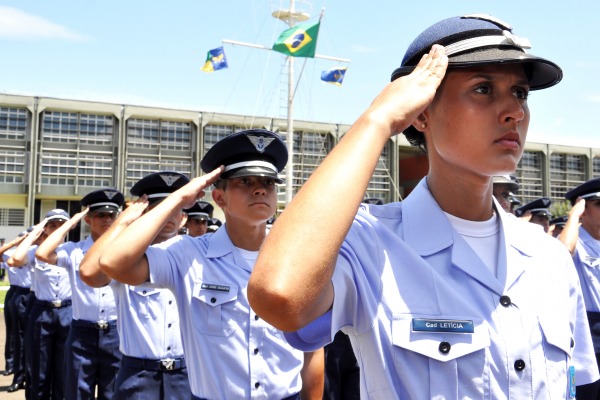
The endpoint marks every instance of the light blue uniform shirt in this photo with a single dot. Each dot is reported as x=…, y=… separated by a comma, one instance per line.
x=587, y=262
x=49, y=281
x=18, y=276
x=427, y=319
x=148, y=320
x=89, y=304
x=230, y=352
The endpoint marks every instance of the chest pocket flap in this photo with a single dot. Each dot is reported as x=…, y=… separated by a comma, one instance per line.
x=214, y=308
x=556, y=332
x=215, y=294
x=439, y=343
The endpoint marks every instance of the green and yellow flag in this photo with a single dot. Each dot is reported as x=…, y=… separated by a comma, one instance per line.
x=299, y=41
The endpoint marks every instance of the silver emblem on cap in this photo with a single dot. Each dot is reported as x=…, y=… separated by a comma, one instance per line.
x=110, y=195
x=260, y=142
x=169, y=179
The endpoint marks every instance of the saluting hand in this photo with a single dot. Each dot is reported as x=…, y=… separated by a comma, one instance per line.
x=134, y=210
x=194, y=190
x=401, y=101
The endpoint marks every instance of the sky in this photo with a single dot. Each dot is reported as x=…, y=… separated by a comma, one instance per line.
x=151, y=53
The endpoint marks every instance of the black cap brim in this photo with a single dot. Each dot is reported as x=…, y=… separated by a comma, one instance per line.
x=252, y=171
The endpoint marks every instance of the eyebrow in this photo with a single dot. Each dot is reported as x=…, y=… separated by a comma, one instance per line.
x=489, y=77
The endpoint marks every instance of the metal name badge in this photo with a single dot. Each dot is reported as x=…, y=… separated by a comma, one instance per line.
x=442, y=325
x=214, y=286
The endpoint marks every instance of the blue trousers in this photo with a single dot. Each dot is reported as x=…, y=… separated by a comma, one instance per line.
x=20, y=304
x=135, y=382
x=46, y=338
x=8, y=322
x=92, y=361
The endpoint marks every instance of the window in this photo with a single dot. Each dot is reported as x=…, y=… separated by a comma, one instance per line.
x=566, y=172
x=94, y=170
x=154, y=134
x=58, y=169
x=214, y=133
x=12, y=166
x=529, y=172
x=138, y=167
x=12, y=217
x=13, y=123
x=96, y=129
x=596, y=167
x=64, y=127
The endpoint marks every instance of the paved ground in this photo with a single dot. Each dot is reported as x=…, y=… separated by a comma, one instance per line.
x=6, y=381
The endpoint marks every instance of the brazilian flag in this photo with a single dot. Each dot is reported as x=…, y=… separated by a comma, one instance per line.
x=299, y=41
x=215, y=60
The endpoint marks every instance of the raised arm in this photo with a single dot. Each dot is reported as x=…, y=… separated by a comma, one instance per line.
x=19, y=257
x=313, y=375
x=300, y=255
x=46, y=252
x=89, y=269
x=570, y=233
x=15, y=242
x=126, y=261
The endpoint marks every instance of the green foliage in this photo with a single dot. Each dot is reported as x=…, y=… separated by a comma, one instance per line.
x=560, y=209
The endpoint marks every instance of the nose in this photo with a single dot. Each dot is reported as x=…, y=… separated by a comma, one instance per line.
x=514, y=109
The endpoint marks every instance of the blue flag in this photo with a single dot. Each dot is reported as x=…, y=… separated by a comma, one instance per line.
x=215, y=60
x=334, y=75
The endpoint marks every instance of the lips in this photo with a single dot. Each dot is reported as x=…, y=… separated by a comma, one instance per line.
x=510, y=139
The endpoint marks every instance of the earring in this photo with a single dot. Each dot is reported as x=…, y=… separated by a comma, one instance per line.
x=423, y=125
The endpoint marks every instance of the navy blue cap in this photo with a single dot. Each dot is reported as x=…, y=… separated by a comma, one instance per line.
x=103, y=200
x=536, y=207
x=511, y=183
x=215, y=223
x=373, y=200
x=480, y=39
x=514, y=200
x=159, y=185
x=589, y=190
x=201, y=210
x=251, y=152
x=559, y=221
x=57, y=214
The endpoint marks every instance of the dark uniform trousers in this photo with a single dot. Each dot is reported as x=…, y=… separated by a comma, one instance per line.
x=144, y=379
x=92, y=360
x=20, y=304
x=342, y=373
x=8, y=322
x=46, y=336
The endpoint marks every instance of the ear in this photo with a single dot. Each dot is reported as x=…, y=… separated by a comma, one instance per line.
x=183, y=220
x=87, y=219
x=420, y=123
x=218, y=197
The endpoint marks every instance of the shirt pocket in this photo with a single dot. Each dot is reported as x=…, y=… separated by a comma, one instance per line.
x=446, y=356
x=558, y=339
x=142, y=300
x=214, y=308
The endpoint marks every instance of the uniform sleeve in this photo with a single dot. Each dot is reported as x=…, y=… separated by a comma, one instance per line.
x=63, y=252
x=163, y=261
x=357, y=290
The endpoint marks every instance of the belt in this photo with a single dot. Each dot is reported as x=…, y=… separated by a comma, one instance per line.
x=53, y=303
x=99, y=325
x=166, y=364
x=292, y=397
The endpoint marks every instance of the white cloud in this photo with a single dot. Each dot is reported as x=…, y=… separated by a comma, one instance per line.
x=16, y=24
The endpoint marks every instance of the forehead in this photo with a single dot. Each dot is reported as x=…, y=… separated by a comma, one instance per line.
x=492, y=71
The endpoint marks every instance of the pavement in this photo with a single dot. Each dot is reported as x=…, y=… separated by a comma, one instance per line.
x=6, y=381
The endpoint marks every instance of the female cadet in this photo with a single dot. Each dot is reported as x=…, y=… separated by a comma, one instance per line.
x=442, y=295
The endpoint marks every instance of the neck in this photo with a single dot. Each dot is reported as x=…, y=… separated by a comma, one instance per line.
x=246, y=236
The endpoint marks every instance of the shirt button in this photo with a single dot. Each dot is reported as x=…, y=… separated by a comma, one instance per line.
x=144, y=292
x=505, y=301
x=101, y=310
x=519, y=365
x=213, y=300
x=445, y=347
x=255, y=351
x=257, y=385
x=256, y=317
x=169, y=348
x=170, y=301
x=169, y=325
x=572, y=343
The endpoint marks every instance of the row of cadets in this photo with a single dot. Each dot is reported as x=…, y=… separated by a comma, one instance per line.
x=16, y=305
x=50, y=315
x=153, y=365
x=92, y=355
x=581, y=235
x=231, y=352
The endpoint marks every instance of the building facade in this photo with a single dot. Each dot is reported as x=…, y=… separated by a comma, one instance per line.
x=55, y=151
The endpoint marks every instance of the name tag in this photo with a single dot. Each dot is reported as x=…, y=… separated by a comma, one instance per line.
x=442, y=325
x=214, y=286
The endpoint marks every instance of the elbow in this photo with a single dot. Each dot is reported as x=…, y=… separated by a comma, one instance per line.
x=11, y=262
x=43, y=257
x=275, y=306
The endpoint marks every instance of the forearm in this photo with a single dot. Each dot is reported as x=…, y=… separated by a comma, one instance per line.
x=19, y=257
x=313, y=375
x=46, y=251
x=126, y=261
x=284, y=264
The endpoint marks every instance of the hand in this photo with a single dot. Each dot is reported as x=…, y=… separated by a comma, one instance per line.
x=194, y=190
x=577, y=209
x=77, y=217
x=401, y=101
x=133, y=211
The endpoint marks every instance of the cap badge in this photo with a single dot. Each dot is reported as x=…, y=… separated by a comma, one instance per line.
x=169, y=179
x=110, y=195
x=203, y=206
x=260, y=142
